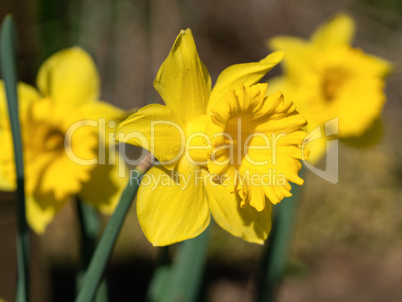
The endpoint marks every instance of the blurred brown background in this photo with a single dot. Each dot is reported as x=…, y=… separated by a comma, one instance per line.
x=348, y=237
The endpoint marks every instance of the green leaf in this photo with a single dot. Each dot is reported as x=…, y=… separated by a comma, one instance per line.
x=276, y=254
x=181, y=281
x=105, y=246
x=160, y=278
x=89, y=227
x=7, y=59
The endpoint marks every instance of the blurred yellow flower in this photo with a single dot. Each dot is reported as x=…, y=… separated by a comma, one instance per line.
x=230, y=151
x=64, y=129
x=326, y=78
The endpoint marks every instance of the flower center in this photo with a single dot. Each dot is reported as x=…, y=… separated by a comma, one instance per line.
x=54, y=140
x=332, y=82
x=232, y=131
x=48, y=153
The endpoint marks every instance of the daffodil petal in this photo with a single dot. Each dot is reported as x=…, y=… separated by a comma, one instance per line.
x=317, y=146
x=5, y=184
x=26, y=95
x=247, y=74
x=107, y=182
x=7, y=162
x=107, y=117
x=157, y=129
x=70, y=76
x=297, y=53
x=41, y=211
x=111, y=175
x=245, y=222
x=172, y=207
x=339, y=31
x=280, y=84
x=384, y=67
x=102, y=110
x=183, y=81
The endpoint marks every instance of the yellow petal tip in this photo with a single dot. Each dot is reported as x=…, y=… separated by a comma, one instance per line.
x=274, y=57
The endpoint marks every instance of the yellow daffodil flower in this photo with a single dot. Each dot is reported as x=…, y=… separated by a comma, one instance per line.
x=326, y=78
x=229, y=151
x=65, y=134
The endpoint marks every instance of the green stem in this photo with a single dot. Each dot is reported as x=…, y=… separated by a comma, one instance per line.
x=105, y=246
x=89, y=226
x=187, y=270
x=275, y=256
x=7, y=52
x=160, y=280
